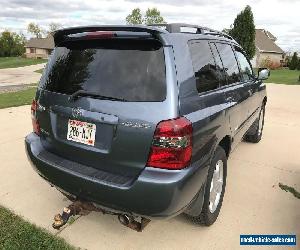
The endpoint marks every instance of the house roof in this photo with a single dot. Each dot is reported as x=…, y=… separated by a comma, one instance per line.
x=265, y=42
x=41, y=43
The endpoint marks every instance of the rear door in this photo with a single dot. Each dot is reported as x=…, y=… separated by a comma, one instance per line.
x=250, y=83
x=207, y=119
x=113, y=131
x=235, y=91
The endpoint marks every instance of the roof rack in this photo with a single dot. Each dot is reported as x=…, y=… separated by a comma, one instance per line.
x=190, y=28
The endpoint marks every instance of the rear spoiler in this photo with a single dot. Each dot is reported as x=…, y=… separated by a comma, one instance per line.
x=61, y=35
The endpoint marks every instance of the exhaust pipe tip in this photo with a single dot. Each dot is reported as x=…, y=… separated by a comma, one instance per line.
x=125, y=219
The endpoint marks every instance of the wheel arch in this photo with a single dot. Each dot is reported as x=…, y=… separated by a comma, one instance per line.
x=265, y=100
x=225, y=143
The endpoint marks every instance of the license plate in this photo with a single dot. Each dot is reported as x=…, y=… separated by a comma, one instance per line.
x=82, y=132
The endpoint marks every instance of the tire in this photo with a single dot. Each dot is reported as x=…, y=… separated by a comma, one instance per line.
x=254, y=134
x=210, y=212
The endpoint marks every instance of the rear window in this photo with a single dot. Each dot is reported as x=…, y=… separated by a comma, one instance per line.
x=133, y=71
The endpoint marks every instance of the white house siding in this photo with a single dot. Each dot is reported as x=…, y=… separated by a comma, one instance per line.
x=254, y=61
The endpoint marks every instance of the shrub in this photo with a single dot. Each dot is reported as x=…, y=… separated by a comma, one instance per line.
x=268, y=63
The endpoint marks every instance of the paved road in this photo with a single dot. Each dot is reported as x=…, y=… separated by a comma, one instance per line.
x=20, y=76
x=253, y=204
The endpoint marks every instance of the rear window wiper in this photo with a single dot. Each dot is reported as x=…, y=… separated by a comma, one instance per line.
x=80, y=93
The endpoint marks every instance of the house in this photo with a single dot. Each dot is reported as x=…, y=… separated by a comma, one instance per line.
x=266, y=48
x=39, y=47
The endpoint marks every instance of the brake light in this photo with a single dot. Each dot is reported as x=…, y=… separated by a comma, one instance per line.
x=100, y=34
x=172, y=144
x=35, y=122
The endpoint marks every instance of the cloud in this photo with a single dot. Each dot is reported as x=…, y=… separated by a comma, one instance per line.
x=279, y=17
x=178, y=2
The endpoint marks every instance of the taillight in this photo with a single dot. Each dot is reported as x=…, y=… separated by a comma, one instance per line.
x=35, y=122
x=172, y=144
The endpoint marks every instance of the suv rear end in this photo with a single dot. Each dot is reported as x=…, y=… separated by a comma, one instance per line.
x=107, y=126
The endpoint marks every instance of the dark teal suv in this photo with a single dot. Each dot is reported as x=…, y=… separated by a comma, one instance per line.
x=140, y=120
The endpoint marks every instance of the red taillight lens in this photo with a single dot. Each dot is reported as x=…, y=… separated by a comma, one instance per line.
x=35, y=122
x=172, y=144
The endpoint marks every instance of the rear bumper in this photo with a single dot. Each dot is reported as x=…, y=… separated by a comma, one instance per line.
x=154, y=193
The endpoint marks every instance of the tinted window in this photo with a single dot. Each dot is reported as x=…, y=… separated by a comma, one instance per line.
x=245, y=66
x=218, y=62
x=206, y=71
x=231, y=68
x=130, y=72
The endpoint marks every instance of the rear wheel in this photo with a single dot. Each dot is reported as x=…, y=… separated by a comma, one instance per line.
x=214, y=190
x=254, y=134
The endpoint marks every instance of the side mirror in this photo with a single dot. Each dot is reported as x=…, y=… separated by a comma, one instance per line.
x=263, y=74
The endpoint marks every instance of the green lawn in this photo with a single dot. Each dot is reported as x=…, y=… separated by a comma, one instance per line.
x=15, y=62
x=39, y=71
x=19, y=98
x=284, y=76
x=16, y=233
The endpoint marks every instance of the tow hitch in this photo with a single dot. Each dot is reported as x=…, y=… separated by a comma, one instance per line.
x=84, y=208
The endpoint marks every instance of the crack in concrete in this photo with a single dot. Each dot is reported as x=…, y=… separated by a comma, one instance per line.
x=267, y=165
x=67, y=226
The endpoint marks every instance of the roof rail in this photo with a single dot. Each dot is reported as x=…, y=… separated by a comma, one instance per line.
x=178, y=27
x=60, y=35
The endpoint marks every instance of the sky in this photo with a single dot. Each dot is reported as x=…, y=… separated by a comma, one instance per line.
x=281, y=18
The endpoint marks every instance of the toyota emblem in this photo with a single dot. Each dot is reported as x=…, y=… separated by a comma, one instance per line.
x=76, y=112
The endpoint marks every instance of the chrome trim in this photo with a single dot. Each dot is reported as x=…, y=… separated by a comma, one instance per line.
x=136, y=125
x=40, y=107
x=171, y=142
x=216, y=187
x=77, y=112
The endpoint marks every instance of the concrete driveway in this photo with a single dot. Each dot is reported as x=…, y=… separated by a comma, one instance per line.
x=253, y=204
x=20, y=76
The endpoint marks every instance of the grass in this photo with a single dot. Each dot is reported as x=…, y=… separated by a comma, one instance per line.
x=19, y=98
x=284, y=76
x=40, y=71
x=290, y=189
x=15, y=62
x=16, y=233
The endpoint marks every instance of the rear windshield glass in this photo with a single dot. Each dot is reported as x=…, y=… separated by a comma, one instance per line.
x=129, y=71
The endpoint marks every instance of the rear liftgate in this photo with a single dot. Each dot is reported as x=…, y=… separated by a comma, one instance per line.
x=102, y=32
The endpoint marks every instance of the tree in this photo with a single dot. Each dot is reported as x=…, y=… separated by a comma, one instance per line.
x=294, y=62
x=11, y=44
x=35, y=30
x=243, y=31
x=152, y=16
x=53, y=27
x=298, y=66
x=135, y=17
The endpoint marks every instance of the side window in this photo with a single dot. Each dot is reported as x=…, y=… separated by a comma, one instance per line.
x=218, y=63
x=231, y=68
x=246, y=69
x=206, y=73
